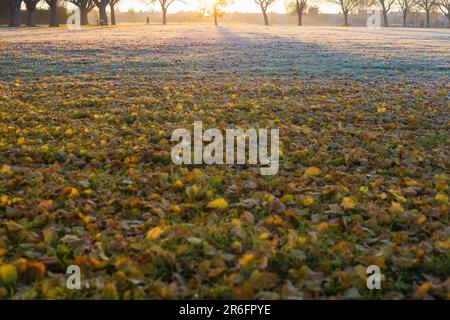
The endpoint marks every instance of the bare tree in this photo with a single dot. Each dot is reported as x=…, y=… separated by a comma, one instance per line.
x=385, y=8
x=165, y=4
x=427, y=5
x=85, y=7
x=14, y=13
x=362, y=7
x=405, y=7
x=264, y=4
x=101, y=5
x=53, y=4
x=30, y=5
x=112, y=3
x=444, y=6
x=347, y=6
x=300, y=7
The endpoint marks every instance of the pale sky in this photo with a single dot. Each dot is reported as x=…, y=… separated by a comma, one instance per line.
x=239, y=5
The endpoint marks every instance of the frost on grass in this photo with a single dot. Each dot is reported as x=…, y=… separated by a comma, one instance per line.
x=86, y=176
x=193, y=51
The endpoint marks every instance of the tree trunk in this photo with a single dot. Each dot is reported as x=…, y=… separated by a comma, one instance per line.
x=164, y=10
x=385, y=19
x=113, y=14
x=84, y=16
x=266, y=19
x=405, y=13
x=54, y=14
x=300, y=14
x=103, y=15
x=448, y=17
x=31, y=19
x=345, y=17
x=428, y=18
x=216, y=23
x=15, y=13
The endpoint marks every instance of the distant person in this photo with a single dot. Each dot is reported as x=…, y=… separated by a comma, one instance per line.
x=148, y=20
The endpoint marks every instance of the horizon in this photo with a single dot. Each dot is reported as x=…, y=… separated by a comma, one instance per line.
x=248, y=6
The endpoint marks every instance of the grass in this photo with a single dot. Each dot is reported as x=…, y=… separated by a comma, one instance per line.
x=86, y=176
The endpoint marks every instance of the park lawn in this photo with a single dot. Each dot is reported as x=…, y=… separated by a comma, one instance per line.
x=86, y=175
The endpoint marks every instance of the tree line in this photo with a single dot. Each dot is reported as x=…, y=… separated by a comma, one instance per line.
x=217, y=9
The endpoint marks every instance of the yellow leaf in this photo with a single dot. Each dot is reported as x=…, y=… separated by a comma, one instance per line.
x=349, y=203
x=21, y=141
x=246, y=259
x=4, y=200
x=175, y=208
x=73, y=194
x=312, y=171
x=5, y=169
x=264, y=236
x=421, y=219
x=441, y=186
x=88, y=192
x=410, y=182
x=441, y=197
x=219, y=203
x=301, y=240
x=8, y=274
x=131, y=160
x=192, y=191
x=445, y=245
x=178, y=183
x=397, y=208
x=322, y=227
x=154, y=233
x=308, y=201
x=287, y=198
x=68, y=132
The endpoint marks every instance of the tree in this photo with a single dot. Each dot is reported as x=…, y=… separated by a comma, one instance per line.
x=112, y=3
x=14, y=13
x=405, y=7
x=165, y=4
x=218, y=7
x=4, y=9
x=444, y=6
x=347, y=6
x=30, y=5
x=53, y=4
x=362, y=7
x=264, y=4
x=385, y=8
x=85, y=7
x=298, y=7
x=214, y=8
x=313, y=10
x=101, y=5
x=427, y=5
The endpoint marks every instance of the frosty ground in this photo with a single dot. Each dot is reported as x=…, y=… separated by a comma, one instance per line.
x=196, y=50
